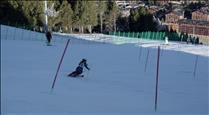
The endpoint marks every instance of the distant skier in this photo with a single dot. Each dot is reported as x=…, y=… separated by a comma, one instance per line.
x=79, y=69
x=48, y=37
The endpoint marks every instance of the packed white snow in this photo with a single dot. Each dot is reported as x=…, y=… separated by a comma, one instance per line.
x=119, y=80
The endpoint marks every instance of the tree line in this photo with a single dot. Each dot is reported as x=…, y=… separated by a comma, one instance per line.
x=77, y=16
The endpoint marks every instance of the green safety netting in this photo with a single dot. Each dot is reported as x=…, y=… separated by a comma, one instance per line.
x=150, y=35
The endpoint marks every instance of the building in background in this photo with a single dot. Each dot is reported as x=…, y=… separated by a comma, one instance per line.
x=195, y=28
x=172, y=18
x=202, y=14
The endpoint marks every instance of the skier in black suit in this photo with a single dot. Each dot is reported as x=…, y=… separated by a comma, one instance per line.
x=79, y=69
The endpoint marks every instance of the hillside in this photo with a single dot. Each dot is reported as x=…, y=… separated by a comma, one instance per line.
x=116, y=84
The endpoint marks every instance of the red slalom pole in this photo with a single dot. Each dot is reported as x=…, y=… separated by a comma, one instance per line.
x=60, y=63
x=145, y=68
x=195, y=66
x=157, y=76
x=140, y=52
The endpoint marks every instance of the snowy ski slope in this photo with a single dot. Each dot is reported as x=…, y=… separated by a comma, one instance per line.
x=116, y=84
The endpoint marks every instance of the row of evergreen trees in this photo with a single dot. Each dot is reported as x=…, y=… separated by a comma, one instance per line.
x=76, y=16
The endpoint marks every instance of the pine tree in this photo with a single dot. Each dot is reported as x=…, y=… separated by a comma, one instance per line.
x=136, y=19
x=141, y=20
x=54, y=22
x=66, y=15
x=30, y=10
x=77, y=21
x=64, y=19
x=102, y=6
x=85, y=15
x=111, y=16
x=90, y=15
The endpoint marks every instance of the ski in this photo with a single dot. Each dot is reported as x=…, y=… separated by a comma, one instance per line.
x=76, y=76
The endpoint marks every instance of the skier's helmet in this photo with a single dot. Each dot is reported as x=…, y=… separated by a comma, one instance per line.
x=83, y=59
